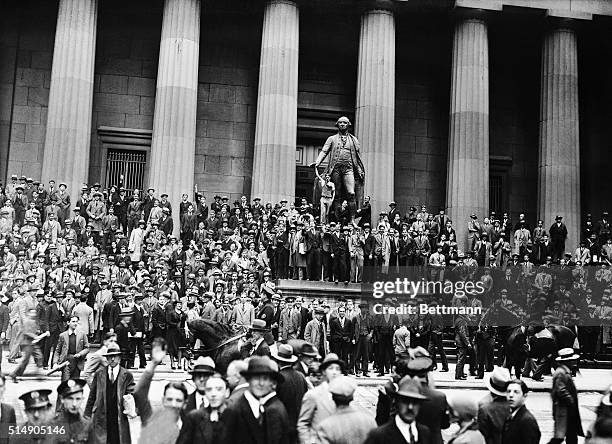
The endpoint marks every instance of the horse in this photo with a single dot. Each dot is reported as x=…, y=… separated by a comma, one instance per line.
x=523, y=343
x=219, y=342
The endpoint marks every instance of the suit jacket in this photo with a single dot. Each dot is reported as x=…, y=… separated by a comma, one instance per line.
x=96, y=404
x=339, y=334
x=434, y=413
x=242, y=427
x=492, y=414
x=348, y=425
x=290, y=322
x=312, y=334
x=82, y=347
x=389, y=433
x=291, y=392
x=198, y=428
x=7, y=419
x=317, y=405
x=565, y=404
x=86, y=318
x=522, y=428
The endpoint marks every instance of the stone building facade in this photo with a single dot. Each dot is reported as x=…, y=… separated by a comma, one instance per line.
x=471, y=105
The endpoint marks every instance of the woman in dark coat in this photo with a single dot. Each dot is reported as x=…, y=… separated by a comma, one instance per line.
x=174, y=316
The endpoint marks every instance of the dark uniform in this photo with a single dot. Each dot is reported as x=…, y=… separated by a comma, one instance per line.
x=33, y=400
x=70, y=428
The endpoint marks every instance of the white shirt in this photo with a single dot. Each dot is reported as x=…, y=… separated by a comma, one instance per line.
x=257, y=344
x=255, y=403
x=404, y=427
x=113, y=372
x=201, y=400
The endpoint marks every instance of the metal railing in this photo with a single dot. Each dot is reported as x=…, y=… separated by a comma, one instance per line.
x=129, y=164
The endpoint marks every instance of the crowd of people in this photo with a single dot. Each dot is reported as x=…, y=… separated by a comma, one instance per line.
x=277, y=398
x=113, y=268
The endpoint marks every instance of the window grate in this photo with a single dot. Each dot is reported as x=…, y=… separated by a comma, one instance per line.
x=130, y=164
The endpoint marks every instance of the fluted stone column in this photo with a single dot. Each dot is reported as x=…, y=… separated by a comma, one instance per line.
x=375, y=104
x=68, y=132
x=559, y=160
x=276, y=121
x=174, y=123
x=467, y=185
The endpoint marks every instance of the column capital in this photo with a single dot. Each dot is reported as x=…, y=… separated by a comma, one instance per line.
x=560, y=23
x=476, y=9
x=380, y=5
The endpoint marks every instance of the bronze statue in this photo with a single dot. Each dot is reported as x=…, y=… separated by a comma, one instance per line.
x=345, y=168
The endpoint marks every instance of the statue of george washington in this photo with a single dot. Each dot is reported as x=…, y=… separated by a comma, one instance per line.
x=345, y=167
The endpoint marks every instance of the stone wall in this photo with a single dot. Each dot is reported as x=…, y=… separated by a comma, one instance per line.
x=8, y=56
x=227, y=103
x=514, y=110
x=127, y=51
x=423, y=52
x=35, y=23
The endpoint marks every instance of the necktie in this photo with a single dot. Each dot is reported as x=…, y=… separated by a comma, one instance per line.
x=111, y=376
x=262, y=411
x=412, y=440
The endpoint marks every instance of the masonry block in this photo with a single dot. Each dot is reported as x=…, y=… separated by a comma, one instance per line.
x=18, y=131
x=139, y=121
x=415, y=127
x=26, y=114
x=112, y=84
x=425, y=109
x=203, y=92
x=149, y=68
x=223, y=75
x=201, y=128
x=246, y=94
x=242, y=166
x=116, y=103
x=216, y=183
x=404, y=143
x=109, y=119
x=405, y=109
x=225, y=165
x=24, y=59
x=437, y=128
x=244, y=131
x=30, y=77
x=212, y=164
x=38, y=97
x=428, y=145
x=35, y=133
x=199, y=164
x=121, y=67
x=42, y=59
x=222, y=93
x=220, y=147
x=147, y=105
x=24, y=151
x=219, y=130
x=222, y=112
x=141, y=86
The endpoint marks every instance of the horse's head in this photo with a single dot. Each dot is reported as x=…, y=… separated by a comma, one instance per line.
x=209, y=332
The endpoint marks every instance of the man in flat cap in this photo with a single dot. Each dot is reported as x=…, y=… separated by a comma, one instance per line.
x=348, y=424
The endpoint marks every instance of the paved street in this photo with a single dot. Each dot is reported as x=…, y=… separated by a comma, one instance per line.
x=538, y=401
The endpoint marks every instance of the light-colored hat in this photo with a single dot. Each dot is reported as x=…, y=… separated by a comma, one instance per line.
x=497, y=381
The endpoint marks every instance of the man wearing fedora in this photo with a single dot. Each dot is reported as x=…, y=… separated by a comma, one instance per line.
x=566, y=412
x=202, y=369
x=125, y=330
x=493, y=409
x=292, y=391
x=258, y=416
x=404, y=427
x=105, y=404
x=558, y=236
x=257, y=344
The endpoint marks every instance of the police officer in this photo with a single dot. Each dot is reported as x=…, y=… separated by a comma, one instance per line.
x=69, y=426
x=39, y=413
